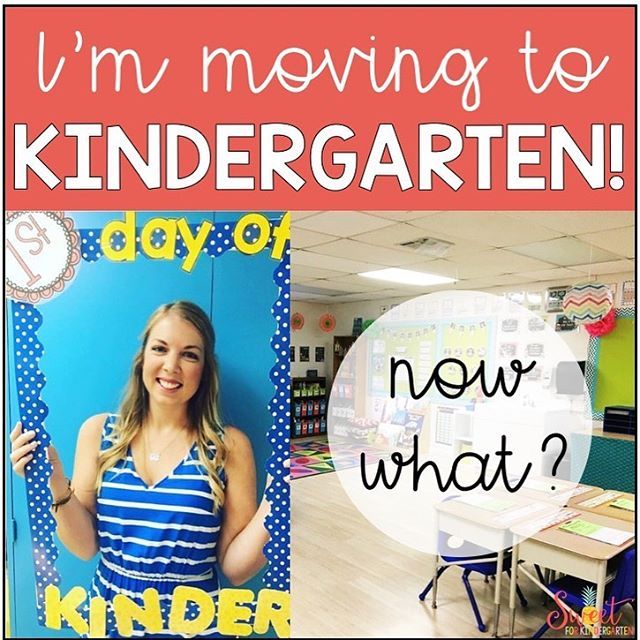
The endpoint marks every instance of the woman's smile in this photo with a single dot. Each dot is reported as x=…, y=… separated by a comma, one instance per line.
x=168, y=384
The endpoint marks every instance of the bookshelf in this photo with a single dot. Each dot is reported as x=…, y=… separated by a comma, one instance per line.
x=308, y=407
x=341, y=345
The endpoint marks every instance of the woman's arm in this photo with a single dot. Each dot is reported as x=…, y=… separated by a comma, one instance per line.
x=243, y=535
x=76, y=521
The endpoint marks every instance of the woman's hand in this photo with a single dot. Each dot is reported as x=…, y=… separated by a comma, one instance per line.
x=287, y=465
x=22, y=447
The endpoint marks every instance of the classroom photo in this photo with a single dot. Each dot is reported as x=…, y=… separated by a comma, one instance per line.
x=463, y=423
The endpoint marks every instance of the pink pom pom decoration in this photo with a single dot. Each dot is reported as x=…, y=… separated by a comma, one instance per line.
x=602, y=327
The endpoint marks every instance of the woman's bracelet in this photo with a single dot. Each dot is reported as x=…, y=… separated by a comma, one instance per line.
x=59, y=503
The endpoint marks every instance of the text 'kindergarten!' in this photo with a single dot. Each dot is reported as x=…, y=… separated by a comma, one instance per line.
x=242, y=156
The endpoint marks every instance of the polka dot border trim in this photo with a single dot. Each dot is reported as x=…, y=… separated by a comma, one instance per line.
x=277, y=550
x=33, y=412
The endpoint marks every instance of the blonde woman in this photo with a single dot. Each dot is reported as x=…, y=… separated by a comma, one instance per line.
x=163, y=491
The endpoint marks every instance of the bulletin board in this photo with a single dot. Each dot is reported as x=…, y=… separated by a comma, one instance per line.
x=610, y=368
x=423, y=346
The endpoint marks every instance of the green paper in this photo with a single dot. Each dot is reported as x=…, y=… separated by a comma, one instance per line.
x=580, y=527
x=624, y=503
x=614, y=366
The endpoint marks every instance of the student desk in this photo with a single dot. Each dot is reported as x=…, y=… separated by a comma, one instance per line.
x=562, y=488
x=606, y=509
x=576, y=500
x=569, y=553
x=488, y=529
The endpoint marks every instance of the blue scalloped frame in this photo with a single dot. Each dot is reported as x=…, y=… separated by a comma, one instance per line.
x=30, y=381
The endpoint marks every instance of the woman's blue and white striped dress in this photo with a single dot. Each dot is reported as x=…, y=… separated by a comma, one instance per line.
x=160, y=536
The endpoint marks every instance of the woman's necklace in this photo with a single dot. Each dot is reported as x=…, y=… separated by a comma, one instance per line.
x=154, y=456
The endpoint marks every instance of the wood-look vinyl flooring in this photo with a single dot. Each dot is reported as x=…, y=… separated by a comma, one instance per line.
x=351, y=580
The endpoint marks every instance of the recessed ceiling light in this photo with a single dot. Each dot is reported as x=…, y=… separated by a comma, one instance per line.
x=405, y=276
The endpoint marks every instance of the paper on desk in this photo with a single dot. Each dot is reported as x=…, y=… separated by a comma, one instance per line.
x=486, y=502
x=607, y=496
x=564, y=496
x=596, y=532
x=612, y=536
x=624, y=503
x=534, y=526
x=576, y=491
x=580, y=527
x=519, y=514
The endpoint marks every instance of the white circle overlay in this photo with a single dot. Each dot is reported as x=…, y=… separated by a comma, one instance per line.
x=488, y=441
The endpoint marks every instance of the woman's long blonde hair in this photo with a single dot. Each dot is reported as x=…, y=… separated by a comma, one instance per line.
x=203, y=410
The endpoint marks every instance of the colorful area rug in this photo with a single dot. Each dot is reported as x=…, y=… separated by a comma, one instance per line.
x=310, y=458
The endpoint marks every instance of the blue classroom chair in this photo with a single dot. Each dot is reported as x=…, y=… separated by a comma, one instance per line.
x=622, y=589
x=476, y=559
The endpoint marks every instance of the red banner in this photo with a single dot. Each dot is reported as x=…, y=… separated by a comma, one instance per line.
x=483, y=108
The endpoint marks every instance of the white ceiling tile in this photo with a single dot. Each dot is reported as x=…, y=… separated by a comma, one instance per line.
x=470, y=271
x=401, y=216
x=437, y=267
x=311, y=287
x=300, y=215
x=337, y=285
x=366, y=252
x=475, y=283
x=403, y=232
x=620, y=241
x=352, y=297
x=303, y=238
x=309, y=297
x=553, y=274
x=509, y=279
x=564, y=252
x=309, y=259
x=508, y=261
x=575, y=222
x=458, y=271
x=495, y=229
x=343, y=223
x=299, y=272
x=365, y=284
x=391, y=236
x=615, y=266
x=386, y=294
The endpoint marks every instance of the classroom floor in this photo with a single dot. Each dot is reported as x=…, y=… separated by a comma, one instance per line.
x=350, y=580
